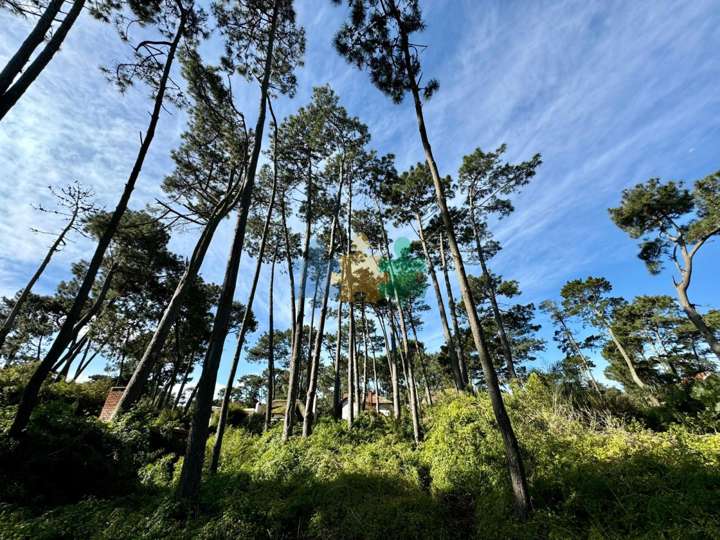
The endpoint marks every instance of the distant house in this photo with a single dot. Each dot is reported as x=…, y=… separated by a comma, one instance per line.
x=372, y=400
x=278, y=408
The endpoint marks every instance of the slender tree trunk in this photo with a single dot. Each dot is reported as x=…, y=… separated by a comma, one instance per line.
x=363, y=395
x=288, y=260
x=186, y=376
x=222, y=420
x=271, y=351
x=492, y=296
x=428, y=394
x=374, y=360
x=454, y=364
x=190, y=400
x=314, y=361
x=390, y=354
x=337, y=387
x=15, y=92
x=136, y=386
x=296, y=355
x=20, y=302
x=191, y=474
x=462, y=365
x=689, y=308
x=311, y=334
x=631, y=367
x=34, y=39
x=66, y=368
x=512, y=449
x=83, y=366
x=64, y=337
x=575, y=346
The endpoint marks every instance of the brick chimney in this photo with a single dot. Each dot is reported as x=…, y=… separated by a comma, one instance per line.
x=111, y=402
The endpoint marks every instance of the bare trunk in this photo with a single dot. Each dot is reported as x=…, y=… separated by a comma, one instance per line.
x=288, y=260
x=337, y=387
x=453, y=314
x=296, y=354
x=271, y=351
x=512, y=448
x=222, y=420
x=428, y=394
x=314, y=361
x=692, y=314
x=16, y=64
x=492, y=296
x=15, y=92
x=65, y=335
x=189, y=484
x=390, y=354
x=575, y=346
x=454, y=364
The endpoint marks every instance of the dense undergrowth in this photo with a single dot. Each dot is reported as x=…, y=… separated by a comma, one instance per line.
x=593, y=474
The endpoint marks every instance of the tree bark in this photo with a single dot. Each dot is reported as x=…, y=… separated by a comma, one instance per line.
x=34, y=39
x=64, y=337
x=512, y=449
x=15, y=92
x=191, y=474
x=390, y=354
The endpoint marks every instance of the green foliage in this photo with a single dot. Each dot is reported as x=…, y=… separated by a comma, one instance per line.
x=593, y=470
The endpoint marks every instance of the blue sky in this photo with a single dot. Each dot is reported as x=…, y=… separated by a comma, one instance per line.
x=611, y=93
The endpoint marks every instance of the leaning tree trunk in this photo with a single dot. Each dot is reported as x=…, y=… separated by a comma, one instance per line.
x=136, y=386
x=492, y=296
x=689, y=308
x=453, y=314
x=295, y=357
x=337, y=387
x=222, y=420
x=10, y=320
x=271, y=351
x=428, y=394
x=30, y=394
x=15, y=92
x=191, y=474
x=512, y=449
x=575, y=346
x=35, y=38
x=454, y=363
x=288, y=261
x=314, y=360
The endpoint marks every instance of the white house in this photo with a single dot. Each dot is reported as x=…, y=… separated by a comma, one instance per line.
x=372, y=403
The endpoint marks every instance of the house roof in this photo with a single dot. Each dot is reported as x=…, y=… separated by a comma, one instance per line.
x=371, y=399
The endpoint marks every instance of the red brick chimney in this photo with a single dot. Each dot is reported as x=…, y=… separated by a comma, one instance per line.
x=111, y=402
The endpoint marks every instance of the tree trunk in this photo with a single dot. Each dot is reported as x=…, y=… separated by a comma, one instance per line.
x=271, y=351
x=428, y=394
x=579, y=353
x=288, y=260
x=690, y=311
x=10, y=320
x=190, y=477
x=136, y=386
x=314, y=361
x=186, y=376
x=453, y=314
x=337, y=387
x=390, y=354
x=64, y=337
x=454, y=364
x=15, y=92
x=492, y=296
x=296, y=355
x=512, y=449
x=34, y=39
x=222, y=420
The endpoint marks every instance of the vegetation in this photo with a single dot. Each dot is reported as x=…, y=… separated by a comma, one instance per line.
x=350, y=425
